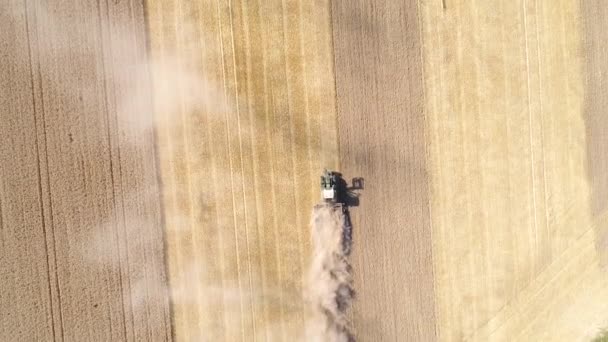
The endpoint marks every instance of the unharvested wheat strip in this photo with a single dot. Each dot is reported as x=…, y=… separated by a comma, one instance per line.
x=255, y=106
x=251, y=60
x=532, y=179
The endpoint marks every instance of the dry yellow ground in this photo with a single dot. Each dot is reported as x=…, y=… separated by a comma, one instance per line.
x=243, y=136
x=514, y=101
x=81, y=239
x=242, y=140
x=514, y=236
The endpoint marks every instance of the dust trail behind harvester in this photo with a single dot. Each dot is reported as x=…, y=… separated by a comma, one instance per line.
x=329, y=288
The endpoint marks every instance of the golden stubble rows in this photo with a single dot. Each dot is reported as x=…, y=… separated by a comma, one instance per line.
x=242, y=139
x=514, y=249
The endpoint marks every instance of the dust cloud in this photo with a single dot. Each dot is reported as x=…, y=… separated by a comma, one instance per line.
x=105, y=96
x=329, y=287
x=113, y=97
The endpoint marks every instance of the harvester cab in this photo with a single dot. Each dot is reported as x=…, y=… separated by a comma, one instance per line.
x=328, y=186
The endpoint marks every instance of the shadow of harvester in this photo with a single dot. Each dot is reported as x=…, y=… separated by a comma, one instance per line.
x=347, y=196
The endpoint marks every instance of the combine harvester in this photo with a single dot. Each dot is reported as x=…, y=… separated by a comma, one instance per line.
x=334, y=189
